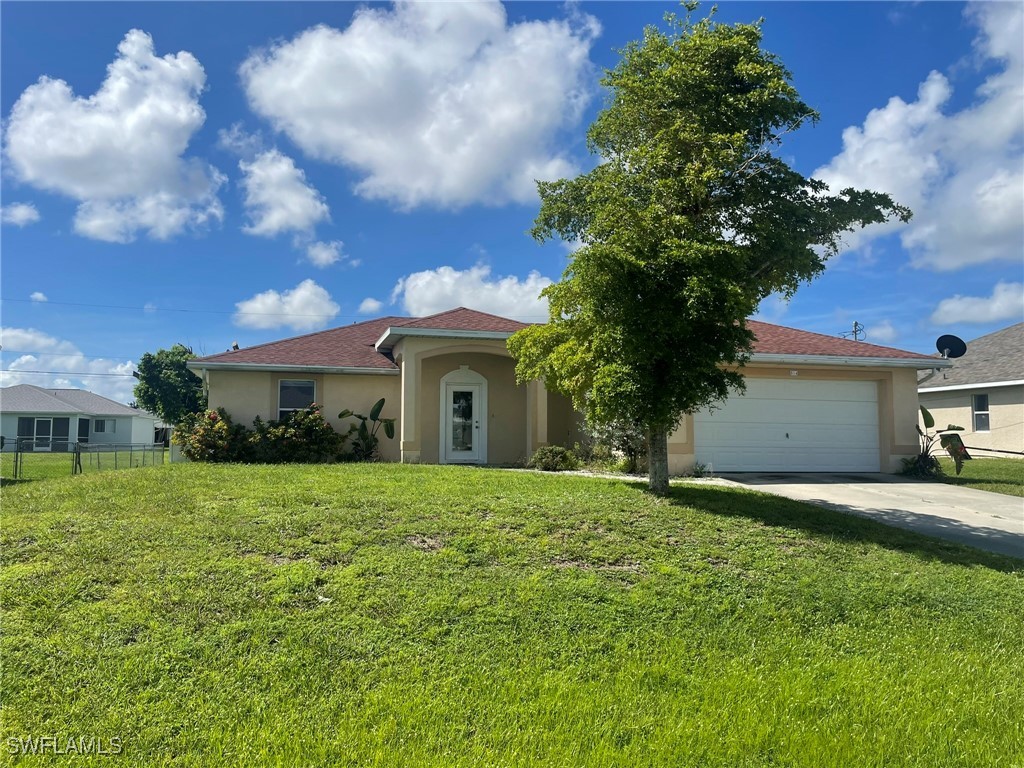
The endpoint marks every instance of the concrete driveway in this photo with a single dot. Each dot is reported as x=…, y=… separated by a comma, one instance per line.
x=990, y=521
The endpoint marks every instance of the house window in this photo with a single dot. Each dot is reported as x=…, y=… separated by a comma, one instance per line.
x=294, y=395
x=104, y=425
x=979, y=405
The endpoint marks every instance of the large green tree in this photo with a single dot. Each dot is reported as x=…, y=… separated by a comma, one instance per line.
x=166, y=387
x=688, y=221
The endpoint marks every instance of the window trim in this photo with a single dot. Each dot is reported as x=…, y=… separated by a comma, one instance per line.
x=280, y=382
x=975, y=412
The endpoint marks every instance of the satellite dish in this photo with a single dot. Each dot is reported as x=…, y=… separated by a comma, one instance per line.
x=951, y=347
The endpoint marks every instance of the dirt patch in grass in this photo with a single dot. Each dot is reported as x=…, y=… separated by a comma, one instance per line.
x=279, y=559
x=626, y=566
x=425, y=543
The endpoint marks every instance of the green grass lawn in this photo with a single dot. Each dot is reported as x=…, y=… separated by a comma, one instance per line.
x=997, y=475
x=444, y=616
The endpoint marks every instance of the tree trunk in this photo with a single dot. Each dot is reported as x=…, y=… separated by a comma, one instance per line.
x=657, y=460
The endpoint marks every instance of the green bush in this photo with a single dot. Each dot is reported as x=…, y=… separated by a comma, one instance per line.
x=211, y=436
x=303, y=437
x=553, y=458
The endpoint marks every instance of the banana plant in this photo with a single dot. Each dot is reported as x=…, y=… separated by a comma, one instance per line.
x=947, y=439
x=366, y=442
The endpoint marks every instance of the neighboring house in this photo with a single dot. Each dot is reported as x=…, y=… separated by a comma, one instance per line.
x=813, y=402
x=983, y=392
x=57, y=418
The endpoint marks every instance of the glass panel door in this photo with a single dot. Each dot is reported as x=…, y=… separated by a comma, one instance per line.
x=43, y=429
x=462, y=439
x=462, y=421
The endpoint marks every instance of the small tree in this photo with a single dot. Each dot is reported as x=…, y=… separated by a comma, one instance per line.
x=686, y=224
x=167, y=387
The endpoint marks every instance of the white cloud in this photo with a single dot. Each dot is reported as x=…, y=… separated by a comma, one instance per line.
x=38, y=296
x=323, y=254
x=120, y=151
x=162, y=215
x=278, y=198
x=43, y=352
x=305, y=307
x=432, y=103
x=962, y=173
x=19, y=214
x=1005, y=303
x=437, y=290
x=882, y=332
x=239, y=141
x=370, y=306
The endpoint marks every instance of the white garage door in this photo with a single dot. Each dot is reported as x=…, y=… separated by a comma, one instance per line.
x=793, y=425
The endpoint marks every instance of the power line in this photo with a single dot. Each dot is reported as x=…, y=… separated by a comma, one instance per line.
x=199, y=311
x=20, y=352
x=166, y=309
x=79, y=374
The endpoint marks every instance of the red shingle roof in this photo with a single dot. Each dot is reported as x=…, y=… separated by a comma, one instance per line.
x=780, y=340
x=352, y=346
x=462, y=319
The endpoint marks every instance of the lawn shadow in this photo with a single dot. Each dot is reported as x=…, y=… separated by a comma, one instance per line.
x=839, y=522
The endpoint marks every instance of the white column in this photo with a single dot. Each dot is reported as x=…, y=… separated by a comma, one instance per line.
x=411, y=375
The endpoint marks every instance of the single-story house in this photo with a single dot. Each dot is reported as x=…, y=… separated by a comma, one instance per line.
x=983, y=392
x=813, y=402
x=57, y=418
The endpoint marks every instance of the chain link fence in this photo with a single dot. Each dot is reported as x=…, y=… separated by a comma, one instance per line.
x=27, y=458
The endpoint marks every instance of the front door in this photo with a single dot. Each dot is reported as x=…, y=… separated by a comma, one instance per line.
x=463, y=441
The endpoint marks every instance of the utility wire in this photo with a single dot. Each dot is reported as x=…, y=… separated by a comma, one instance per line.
x=79, y=374
x=21, y=352
x=199, y=311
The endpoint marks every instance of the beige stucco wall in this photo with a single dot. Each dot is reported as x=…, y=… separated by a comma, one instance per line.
x=506, y=405
x=897, y=411
x=519, y=420
x=1006, y=415
x=248, y=394
x=565, y=425
x=522, y=418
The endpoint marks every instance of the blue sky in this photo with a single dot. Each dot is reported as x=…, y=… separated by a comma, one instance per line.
x=214, y=172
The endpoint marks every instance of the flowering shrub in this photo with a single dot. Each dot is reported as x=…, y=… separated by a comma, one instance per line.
x=303, y=436
x=211, y=436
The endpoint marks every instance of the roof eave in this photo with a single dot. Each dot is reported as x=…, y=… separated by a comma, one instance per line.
x=979, y=385
x=851, y=361
x=219, y=366
x=392, y=335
